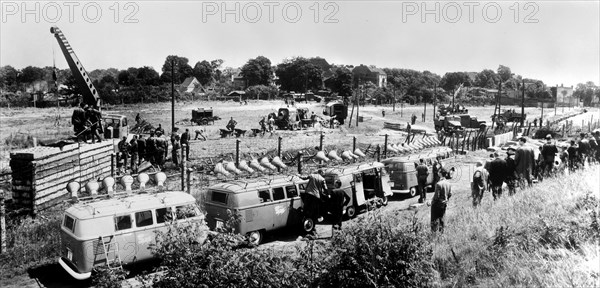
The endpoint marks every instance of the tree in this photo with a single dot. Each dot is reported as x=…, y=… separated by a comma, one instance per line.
x=147, y=76
x=182, y=69
x=257, y=71
x=341, y=82
x=487, y=79
x=504, y=73
x=586, y=92
x=452, y=80
x=203, y=71
x=32, y=74
x=261, y=92
x=298, y=74
x=128, y=77
x=8, y=78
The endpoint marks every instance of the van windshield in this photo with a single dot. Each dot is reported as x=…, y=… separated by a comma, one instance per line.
x=69, y=223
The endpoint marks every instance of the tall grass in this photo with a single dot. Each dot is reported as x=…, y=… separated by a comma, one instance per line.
x=546, y=236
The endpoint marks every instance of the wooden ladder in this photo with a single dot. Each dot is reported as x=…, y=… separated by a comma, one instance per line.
x=111, y=248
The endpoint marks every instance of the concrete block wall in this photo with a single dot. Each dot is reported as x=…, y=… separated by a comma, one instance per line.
x=40, y=174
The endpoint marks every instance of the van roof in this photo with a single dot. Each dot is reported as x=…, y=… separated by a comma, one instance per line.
x=262, y=183
x=128, y=203
x=415, y=157
x=347, y=169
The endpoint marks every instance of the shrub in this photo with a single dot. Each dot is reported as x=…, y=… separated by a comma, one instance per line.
x=103, y=277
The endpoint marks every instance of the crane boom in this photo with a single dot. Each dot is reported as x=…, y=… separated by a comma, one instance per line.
x=90, y=94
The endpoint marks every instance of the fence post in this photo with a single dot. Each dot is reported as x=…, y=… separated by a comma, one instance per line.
x=299, y=162
x=183, y=160
x=385, y=147
x=189, y=177
x=112, y=164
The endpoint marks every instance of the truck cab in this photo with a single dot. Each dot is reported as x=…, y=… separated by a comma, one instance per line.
x=115, y=126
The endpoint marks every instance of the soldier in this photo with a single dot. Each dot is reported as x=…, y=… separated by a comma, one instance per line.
x=78, y=121
x=524, y=160
x=151, y=149
x=175, y=150
x=422, y=173
x=511, y=177
x=231, y=124
x=497, y=175
x=185, y=140
x=123, y=152
x=133, y=148
x=141, y=149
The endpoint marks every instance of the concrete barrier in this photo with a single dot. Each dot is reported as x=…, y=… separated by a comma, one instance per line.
x=500, y=139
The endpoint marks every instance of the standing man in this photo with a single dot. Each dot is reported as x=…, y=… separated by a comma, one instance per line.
x=141, y=144
x=160, y=130
x=511, y=174
x=437, y=168
x=383, y=113
x=78, y=121
x=185, y=140
x=160, y=150
x=263, y=125
x=133, y=148
x=175, y=150
x=524, y=160
x=339, y=199
x=422, y=173
x=123, y=152
x=497, y=175
x=271, y=123
x=479, y=183
x=549, y=152
x=413, y=119
x=573, y=157
x=443, y=192
x=94, y=118
x=314, y=189
x=151, y=149
x=313, y=119
x=584, y=149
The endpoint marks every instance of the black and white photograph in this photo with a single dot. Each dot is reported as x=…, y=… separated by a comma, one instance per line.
x=306, y=143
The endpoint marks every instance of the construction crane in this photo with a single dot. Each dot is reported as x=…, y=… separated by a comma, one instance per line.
x=115, y=126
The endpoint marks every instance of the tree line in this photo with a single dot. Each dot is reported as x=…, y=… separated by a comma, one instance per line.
x=262, y=80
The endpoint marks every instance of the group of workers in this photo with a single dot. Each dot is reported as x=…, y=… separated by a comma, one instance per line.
x=318, y=199
x=153, y=149
x=86, y=122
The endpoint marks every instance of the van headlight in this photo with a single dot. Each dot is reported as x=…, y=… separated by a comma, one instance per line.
x=69, y=255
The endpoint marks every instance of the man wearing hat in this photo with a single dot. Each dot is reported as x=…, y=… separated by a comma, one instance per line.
x=497, y=177
x=549, y=151
x=314, y=189
x=511, y=174
x=524, y=160
x=478, y=183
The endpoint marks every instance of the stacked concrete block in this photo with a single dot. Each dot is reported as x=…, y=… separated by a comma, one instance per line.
x=40, y=174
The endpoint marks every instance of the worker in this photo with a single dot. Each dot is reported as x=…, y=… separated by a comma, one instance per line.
x=151, y=149
x=231, y=124
x=510, y=174
x=263, y=125
x=338, y=200
x=312, y=199
x=497, y=175
x=524, y=160
x=185, y=143
x=78, y=121
x=161, y=146
x=382, y=113
x=199, y=134
x=137, y=118
x=141, y=144
x=93, y=119
x=133, y=151
x=313, y=119
x=160, y=130
x=175, y=150
x=478, y=183
x=439, y=203
x=437, y=168
x=413, y=119
x=271, y=123
x=123, y=152
x=549, y=152
x=422, y=173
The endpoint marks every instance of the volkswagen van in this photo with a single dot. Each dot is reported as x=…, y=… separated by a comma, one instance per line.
x=262, y=205
x=403, y=171
x=119, y=230
x=363, y=183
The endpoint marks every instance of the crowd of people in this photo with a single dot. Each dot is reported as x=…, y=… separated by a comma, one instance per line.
x=521, y=167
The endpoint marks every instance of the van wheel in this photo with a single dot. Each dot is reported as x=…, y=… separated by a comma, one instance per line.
x=351, y=212
x=255, y=237
x=413, y=191
x=308, y=225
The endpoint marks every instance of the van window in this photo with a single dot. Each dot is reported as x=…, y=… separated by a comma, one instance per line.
x=302, y=188
x=186, y=211
x=264, y=196
x=122, y=222
x=69, y=223
x=163, y=215
x=143, y=218
x=278, y=193
x=291, y=191
x=219, y=197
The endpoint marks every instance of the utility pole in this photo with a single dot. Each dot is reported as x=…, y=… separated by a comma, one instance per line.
x=424, y=108
x=394, y=105
x=499, y=97
x=357, y=105
x=434, y=100
x=172, y=95
x=523, y=105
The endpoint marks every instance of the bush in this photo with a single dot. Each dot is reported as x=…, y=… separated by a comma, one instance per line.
x=103, y=277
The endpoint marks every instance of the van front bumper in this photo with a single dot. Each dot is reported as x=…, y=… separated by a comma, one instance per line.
x=69, y=267
x=400, y=191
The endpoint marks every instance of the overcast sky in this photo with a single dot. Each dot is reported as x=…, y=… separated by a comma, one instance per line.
x=554, y=41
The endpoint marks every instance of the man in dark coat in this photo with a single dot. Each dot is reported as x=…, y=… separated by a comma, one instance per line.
x=511, y=174
x=134, y=151
x=549, y=151
x=524, y=160
x=312, y=199
x=141, y=149
x=151, y=149
x=584, y=149
x=497, y=176
x=78, y=121
x=185, y=140
x=573, y=157
x=338, y=200
x=422, y=173
x=94, y=119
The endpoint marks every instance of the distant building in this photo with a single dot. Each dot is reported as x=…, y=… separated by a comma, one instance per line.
x=564, y=96
x=363, y=74
x=191, y=85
